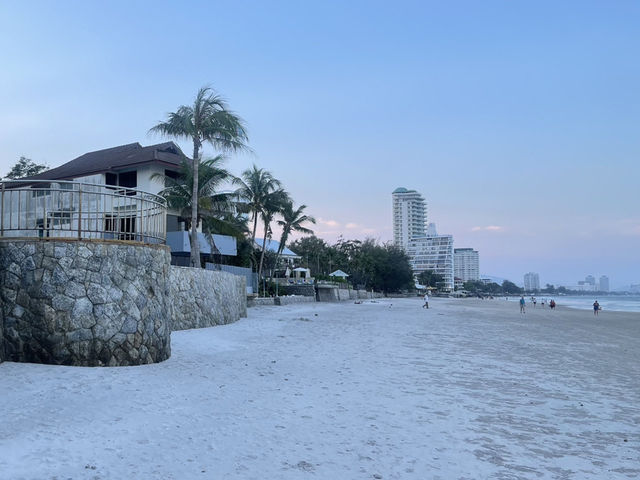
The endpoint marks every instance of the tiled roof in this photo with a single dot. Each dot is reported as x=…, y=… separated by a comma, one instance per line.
x=114, y=159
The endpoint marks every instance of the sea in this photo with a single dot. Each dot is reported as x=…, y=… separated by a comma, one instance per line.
x=615, y=303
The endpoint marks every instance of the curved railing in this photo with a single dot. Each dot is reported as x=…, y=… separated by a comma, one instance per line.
x=64, y=209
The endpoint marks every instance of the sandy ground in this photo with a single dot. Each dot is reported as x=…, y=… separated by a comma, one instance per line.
x=468, y=389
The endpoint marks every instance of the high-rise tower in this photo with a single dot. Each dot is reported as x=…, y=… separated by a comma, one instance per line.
x=409, y=216
x=466, y=263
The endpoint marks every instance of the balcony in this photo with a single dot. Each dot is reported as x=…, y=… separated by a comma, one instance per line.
x=76, y=210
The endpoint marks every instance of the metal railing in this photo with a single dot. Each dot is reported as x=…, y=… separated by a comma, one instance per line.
x=64, y=209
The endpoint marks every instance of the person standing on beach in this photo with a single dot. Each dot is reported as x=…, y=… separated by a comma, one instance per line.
x=596, y=307
x=522, y=305
x=426, y=301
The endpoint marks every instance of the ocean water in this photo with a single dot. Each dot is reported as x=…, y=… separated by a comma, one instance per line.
x=616, y=303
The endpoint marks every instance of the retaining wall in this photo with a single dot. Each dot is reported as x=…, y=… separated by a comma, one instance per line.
x=290, y=300
x=260, y=301
x=205, y=298
x=331, y=293
x=84, y=303
x=303, y=289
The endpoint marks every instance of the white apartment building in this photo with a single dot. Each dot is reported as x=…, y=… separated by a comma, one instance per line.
x=466, y=264
x=426, y=249
x=409, y=216
x=433, y=252
x=604, y=283
x=531, y=282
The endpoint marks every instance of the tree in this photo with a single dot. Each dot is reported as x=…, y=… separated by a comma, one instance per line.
x=292, y=221
x=255, y=185
x=208, y=120
x=272, y=204
x=429, y=278
x=510, y=288
x=315, y=253
x=474, y=286
x=25, y=168
x=396, y=272
x=216, y=211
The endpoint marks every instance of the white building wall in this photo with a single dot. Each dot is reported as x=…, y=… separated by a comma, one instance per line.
x=409, y=216
x=433, y=253
x=531, y=282
x=466, y=264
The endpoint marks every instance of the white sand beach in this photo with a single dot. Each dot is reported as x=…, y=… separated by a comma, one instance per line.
x=468, y=389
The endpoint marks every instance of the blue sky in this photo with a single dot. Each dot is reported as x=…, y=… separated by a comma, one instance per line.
x=518, y=121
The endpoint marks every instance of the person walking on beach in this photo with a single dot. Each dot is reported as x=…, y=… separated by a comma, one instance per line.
x=522, y=305
x=596, y=307
x=426, y=301
x=552, y=304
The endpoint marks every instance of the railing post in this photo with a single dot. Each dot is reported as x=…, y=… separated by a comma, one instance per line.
x=79, y=212
x=2, y=212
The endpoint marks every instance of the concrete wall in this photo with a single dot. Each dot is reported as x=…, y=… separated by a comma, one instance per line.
x=84, y=303
x=205, y=298
x=331, y=293
x=290, y=300
x=260, y=301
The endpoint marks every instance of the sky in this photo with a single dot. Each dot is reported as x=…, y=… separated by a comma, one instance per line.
x=518, y=121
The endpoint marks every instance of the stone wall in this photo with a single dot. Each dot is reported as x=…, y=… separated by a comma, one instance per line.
x=302, y=289
x=204, y=298
x=84, y=303
x=1, y=324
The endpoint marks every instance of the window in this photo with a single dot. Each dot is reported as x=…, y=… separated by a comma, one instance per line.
x=122, y=228
x=41, y=190
x=124, y=179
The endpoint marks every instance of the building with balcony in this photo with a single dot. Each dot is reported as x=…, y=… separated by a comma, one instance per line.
x=433, y=252
x=409, y=216
x=466, y=264
x=106, y=194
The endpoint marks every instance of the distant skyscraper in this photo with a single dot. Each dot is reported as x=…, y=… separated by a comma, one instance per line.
x=409, y=216
x=531, y=282
x=590, y=279
x=432, y=252
x=604, y=284
x=426, y=249
x=466, y=264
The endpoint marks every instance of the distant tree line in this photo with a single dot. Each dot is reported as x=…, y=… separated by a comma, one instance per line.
x=492, y=288
x=381, y=267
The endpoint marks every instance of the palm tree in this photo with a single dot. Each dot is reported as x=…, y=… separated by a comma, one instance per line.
x=255, y=185
x=272, y=205
x=216, y=211
x=292, y=220
x=207, y=120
